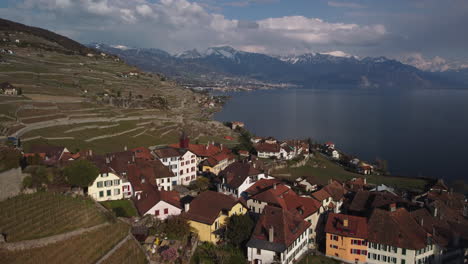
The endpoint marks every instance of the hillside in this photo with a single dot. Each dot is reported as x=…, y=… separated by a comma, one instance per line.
x=220, y=66
x=78, y=97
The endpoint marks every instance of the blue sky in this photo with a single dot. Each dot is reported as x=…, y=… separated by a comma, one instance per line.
x=430, y=34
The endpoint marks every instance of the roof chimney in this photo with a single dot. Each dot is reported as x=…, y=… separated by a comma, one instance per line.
x=274, y=186
x=365, y=181
x=221, y=146
x=125, y=148
x=435, y=212
x=393, y=207
x=271, y=234
x=345, y=222
x=133, y=158
x=107, y=160
x=421, y=222
x=90, y=152
x=186, y=207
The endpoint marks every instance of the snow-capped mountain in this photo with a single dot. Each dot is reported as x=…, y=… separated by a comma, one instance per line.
x=324, y=70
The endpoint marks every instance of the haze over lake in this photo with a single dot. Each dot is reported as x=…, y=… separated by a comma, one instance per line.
x=419, y=132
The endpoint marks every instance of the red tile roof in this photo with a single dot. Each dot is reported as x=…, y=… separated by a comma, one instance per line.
x=273, y=196
x=396, y=229
x=304, y=206
x=287, y=226
x=207, y=206
x=262, y=185
x=336, y=190
x=168, y=152
x=357, y=226
x=142, y=153
x=208, y=150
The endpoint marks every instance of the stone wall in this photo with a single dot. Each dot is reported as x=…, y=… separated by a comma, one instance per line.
x=11, y=183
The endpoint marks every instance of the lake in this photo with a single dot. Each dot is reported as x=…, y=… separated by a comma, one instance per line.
x=419, y=132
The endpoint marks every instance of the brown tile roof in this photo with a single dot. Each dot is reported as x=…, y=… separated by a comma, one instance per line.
x=207, y=206
x=450, y=199
x=398, y=229
x=304, y=206
x=365, y=200
x=287, y=226
x=336, y=190
x=439, y=230
x=273, y=196
x=321, y=195
x=357, y=226
x=168, y=152
x=149, y=170
x=150, y=196
x=265, y=147
x=52, y=152
x=236, y=173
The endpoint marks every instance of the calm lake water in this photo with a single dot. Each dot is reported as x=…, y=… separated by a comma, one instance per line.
x=419, y=133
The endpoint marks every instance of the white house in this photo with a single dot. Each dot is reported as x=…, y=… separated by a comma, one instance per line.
x=107, y=186
x=160, y=204
x=335, y=154
x=395, y=237
x=182, y=162
x=279, y=237
x=238, y=177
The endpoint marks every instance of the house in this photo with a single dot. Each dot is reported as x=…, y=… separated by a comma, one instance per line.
x=108, y=186
x=266, y=150
x=356, y=184
x=150, y=171
x=8, y=89
x=334, y=154
x=269, y=193
x=238, y=177
x=394, y=236
x=201, y=151
x=182, y=162
x=279, y=236
x=51, y=154
x=309, y=183
x=161, y=204
x=346, y=238
x=330, y=145
x=331, y=196
x=237, y=124
x=365, y=169
x=207, y=214
x=364, y=202
x=142, y=153
x=218, y=162
x=256, y=140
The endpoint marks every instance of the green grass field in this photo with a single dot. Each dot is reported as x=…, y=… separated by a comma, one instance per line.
x=85, y=248
x=325, y=170
x=128, y=253
x=122, y=208
x=43, y=214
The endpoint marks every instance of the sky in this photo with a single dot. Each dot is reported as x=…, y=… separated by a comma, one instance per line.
x=430, y=34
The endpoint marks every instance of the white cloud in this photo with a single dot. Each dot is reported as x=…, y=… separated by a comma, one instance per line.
x=417, y=60
x=177, y=25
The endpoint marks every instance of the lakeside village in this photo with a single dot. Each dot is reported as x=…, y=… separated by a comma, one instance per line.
x=225, y=200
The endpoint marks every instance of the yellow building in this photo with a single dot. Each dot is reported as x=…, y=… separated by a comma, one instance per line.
x=346, y=238
x=207, y=214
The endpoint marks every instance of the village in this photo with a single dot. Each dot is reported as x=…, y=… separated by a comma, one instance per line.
x=193, y=203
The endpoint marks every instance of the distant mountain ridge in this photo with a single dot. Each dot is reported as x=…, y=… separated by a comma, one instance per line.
x=311, y=70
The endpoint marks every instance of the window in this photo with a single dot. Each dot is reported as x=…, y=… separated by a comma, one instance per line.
x=181, y=172
x=99, y=184
x=166, y=211
x=259, y=251
x=156, y=213
x=109, y=192
x=403, y=261
x=116, y=182
x=101, y=194
x=403, y=251
x=116, y=191
x=162, y=180
x=193, y=168
x=165, y=160
x=363, y=252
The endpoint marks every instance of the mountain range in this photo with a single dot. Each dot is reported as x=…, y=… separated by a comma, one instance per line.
x=226, y=66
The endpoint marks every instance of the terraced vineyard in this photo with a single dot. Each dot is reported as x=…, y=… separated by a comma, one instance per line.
x=85, y=248
x=128, y=253
x=43, y=214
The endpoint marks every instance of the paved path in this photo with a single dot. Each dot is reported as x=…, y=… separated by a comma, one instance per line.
x=42, y=242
